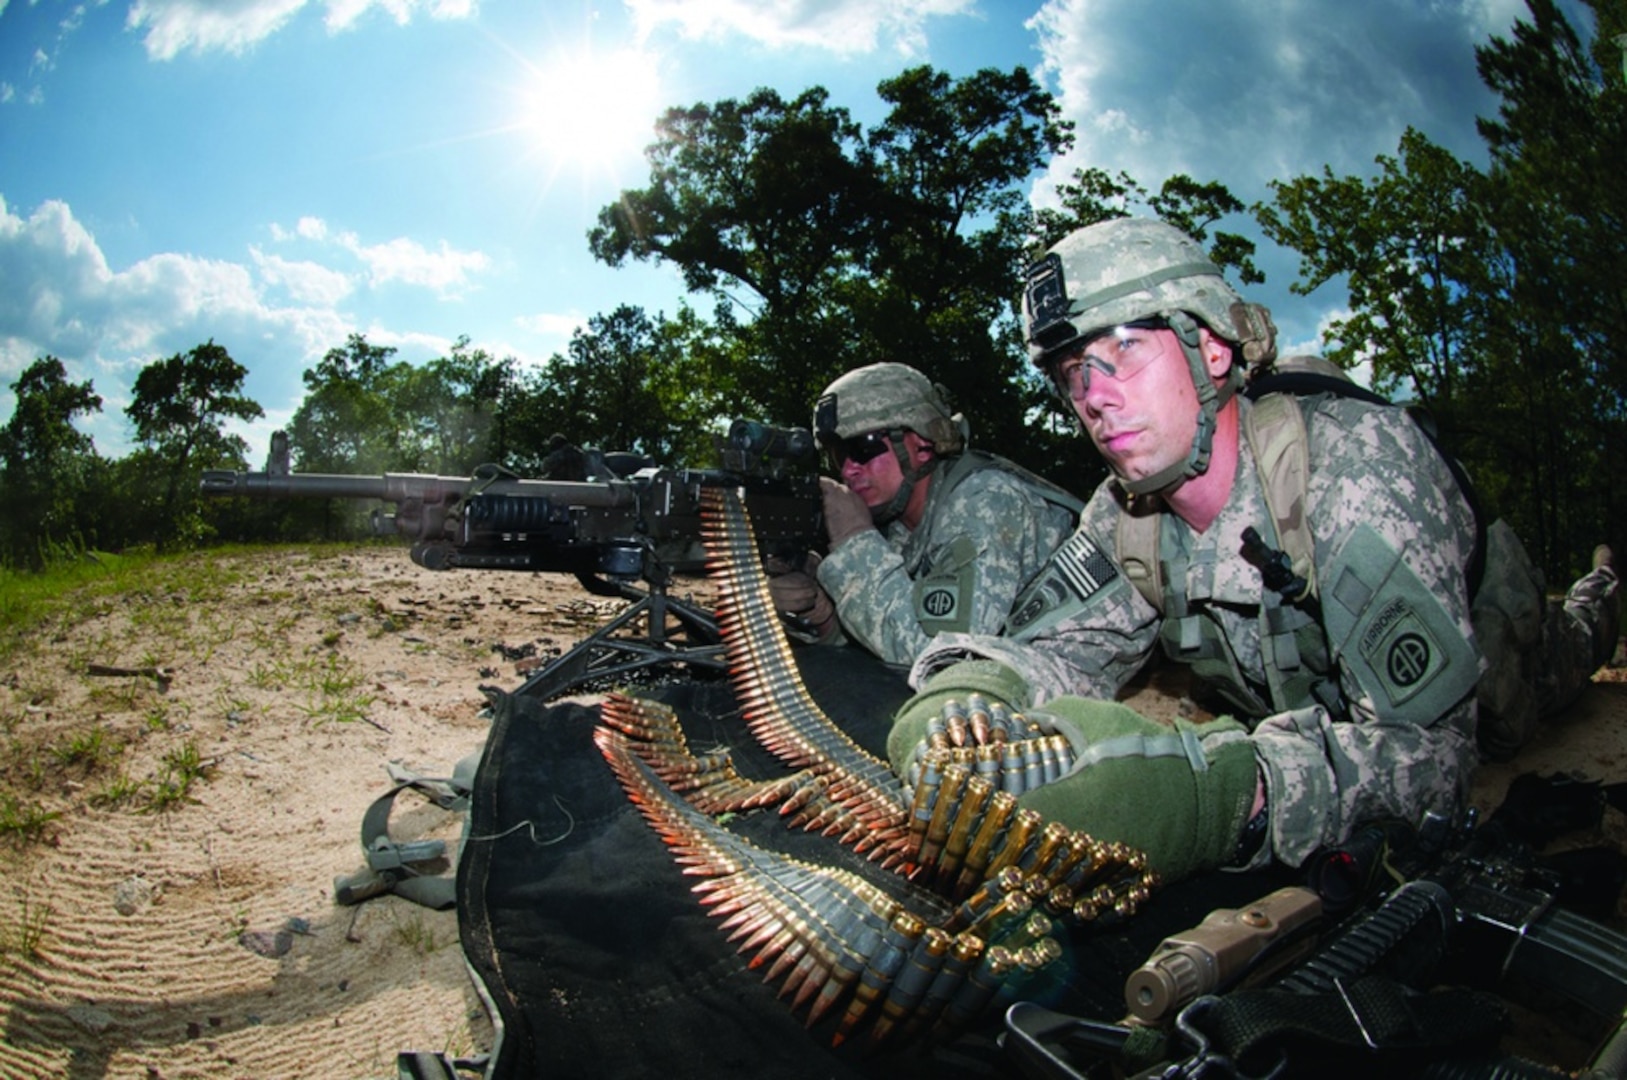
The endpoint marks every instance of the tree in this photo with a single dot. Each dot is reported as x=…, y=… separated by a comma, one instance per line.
x=949, y=244
x=825, y=248
x=1195, y=208
x=450, y=411
x=177, y=408
x=614, y=389
x=1558, y=148
x=1409, y=245
x=47, y=463
x=1495, y=296
x=345, y=423
x=760, y=204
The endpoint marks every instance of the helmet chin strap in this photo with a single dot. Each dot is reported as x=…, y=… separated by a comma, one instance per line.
x=1210, y=400
x=894, y=506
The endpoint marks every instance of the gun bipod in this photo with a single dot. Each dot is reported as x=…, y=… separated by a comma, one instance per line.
x=674, y=632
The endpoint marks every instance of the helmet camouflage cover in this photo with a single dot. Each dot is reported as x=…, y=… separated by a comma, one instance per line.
x=1126, y=269
x=886, y=397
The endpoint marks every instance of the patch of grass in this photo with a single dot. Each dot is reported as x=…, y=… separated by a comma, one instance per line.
x=24, y=935
x=122, y=789
x=29, y=599
x=117, y=695
x=172, y=787
x=157, y=717
x=336, y=693
x=90, y=749
x=31, y=766
x=417, y=935
x=23, y=822
x=83, y=585
x=272, y=676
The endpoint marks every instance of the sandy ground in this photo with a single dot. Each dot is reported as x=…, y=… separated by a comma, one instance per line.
x=200, y=937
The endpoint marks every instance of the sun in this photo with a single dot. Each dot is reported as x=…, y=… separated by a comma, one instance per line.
x=591, y=112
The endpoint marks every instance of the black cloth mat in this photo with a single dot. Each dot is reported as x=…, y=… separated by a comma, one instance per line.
x=599, y=960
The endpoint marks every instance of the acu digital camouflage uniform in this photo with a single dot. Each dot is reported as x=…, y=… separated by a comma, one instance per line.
x=1335, y=750
x=1542, y=653
x=1359, y=694
x=987, y=529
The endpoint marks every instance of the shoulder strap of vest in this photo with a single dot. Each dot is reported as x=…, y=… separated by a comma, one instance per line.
x=1309, y=376
x=1276, y=433
x=1136, y=539
x=969, y=461
x=1275, y=429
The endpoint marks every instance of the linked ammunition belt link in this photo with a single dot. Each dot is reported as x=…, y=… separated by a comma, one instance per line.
x=987, y=882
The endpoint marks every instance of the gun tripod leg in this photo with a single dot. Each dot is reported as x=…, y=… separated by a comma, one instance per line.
x=675, y=632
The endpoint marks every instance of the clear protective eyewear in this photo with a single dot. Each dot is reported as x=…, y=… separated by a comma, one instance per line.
x=1129, y=349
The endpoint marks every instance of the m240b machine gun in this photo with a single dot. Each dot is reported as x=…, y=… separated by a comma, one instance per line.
x=626, y=532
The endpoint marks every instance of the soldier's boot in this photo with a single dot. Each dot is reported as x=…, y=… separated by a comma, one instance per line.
x=1594, y=598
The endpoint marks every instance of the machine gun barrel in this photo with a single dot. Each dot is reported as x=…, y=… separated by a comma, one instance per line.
x=643, y=524
x=402, y=487
x=627, y=531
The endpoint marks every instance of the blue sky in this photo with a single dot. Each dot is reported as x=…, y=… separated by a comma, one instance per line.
x=278, y=174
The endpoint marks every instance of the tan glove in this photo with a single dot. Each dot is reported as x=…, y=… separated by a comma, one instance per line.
x=846, y=515
x=798, y=594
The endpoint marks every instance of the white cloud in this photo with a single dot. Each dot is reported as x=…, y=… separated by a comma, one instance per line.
x=306, y=228
x=59, y=296
x=305, y=282
x=558, y=326
x=841, y=26
x=50, y=267
x=343, y=13
x=1247, y=93
x=446, y=271
x=1267, y=90
x=171, y=27
x=276, y=314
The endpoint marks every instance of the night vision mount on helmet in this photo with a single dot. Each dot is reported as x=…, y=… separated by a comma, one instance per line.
x=1132, y=269
x=891, y=398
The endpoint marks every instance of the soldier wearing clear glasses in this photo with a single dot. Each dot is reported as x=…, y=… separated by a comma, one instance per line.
x=1307, y=557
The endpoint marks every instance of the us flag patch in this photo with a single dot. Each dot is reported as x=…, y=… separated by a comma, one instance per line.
x=1077, y=571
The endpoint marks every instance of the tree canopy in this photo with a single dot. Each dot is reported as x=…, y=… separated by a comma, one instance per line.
x=811, y=245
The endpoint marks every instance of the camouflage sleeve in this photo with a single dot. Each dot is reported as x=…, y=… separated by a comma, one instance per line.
x=1084, y=629
x=988, y=537
x=1327, y=774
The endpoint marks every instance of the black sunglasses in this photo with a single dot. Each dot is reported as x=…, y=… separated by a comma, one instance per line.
x=860, y=449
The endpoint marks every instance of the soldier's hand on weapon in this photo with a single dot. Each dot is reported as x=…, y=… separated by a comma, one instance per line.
x=846, y=515
x=1183, y=793
x=915, y=722
x=798, y=595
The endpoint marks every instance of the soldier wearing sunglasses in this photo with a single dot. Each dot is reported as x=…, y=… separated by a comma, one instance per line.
x=925, y=534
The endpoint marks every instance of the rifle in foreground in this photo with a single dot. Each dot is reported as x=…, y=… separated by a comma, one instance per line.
x=627, y=531
x=1358, y=973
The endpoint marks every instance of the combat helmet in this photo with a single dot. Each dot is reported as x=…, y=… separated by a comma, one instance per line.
x=891, y=398
x=1130, y=269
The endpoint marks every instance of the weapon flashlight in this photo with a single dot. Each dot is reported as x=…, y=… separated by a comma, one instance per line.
x=1225, y=945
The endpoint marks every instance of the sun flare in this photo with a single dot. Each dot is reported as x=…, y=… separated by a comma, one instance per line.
x=592, y=112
